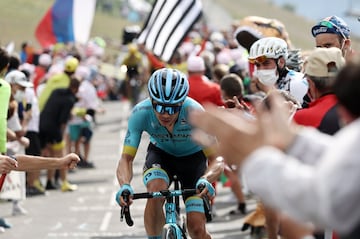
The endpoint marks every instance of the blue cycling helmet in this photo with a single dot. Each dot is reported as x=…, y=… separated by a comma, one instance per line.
x=332, y=24
x=168, y=86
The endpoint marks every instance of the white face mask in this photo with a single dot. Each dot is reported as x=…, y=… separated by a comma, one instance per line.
x=267, y=77
x=19, y=95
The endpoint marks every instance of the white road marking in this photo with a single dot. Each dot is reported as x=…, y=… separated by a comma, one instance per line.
x=105, y=222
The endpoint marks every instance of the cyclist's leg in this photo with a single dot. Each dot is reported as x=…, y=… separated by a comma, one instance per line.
x=154, y=218
x=196, y=219
x=192, y=167
x=155, y=179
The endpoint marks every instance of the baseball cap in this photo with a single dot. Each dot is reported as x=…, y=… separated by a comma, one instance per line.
x=324, y=62
x=71, y=64
x=195, y=64
x=18, y=77
x=332, y=24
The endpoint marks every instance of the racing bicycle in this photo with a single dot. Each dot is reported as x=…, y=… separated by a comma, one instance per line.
x=175, y=225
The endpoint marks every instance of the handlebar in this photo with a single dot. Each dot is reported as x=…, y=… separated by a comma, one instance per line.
x=125, y=210
x=165, y=193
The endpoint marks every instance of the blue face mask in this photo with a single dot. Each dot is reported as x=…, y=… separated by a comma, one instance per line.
x=162, y=109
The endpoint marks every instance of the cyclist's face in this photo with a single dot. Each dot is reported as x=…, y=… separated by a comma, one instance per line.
x=165, y=119
x=165, y=113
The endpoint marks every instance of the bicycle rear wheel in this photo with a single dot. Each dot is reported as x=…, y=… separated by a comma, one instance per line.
x=171, y=232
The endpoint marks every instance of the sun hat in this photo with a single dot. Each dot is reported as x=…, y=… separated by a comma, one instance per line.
x=324, y=62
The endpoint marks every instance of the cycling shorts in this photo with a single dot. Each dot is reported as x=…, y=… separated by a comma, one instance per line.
x=188, y=169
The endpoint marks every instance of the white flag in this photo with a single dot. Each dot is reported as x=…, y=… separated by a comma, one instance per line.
x=168, y=24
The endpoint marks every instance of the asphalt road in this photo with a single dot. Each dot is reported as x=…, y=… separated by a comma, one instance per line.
x=91, y=211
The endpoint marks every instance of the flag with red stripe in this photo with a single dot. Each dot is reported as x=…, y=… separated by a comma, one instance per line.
x=66, y=21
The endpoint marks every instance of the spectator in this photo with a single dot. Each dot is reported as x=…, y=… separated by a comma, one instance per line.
x=53, y=120
x=41, y=69
x=27, y=52
x=316, y=163
x=231, y=86
x=18, y=83
x=24, y=95
x=333, y=31
x=321, y=68
x=61, y=80
x=57, y=81
x=80, y=126
x=219, y=70
x=5, y=92
x=201, y=88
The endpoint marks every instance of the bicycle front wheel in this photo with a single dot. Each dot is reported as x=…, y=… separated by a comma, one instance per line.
x=171, y=232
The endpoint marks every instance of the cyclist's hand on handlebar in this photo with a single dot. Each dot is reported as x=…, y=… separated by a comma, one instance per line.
x=124, y=199
x=205, y=187
x=123, y=196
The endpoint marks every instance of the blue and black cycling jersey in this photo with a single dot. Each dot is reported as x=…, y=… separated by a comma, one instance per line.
x=178, y=143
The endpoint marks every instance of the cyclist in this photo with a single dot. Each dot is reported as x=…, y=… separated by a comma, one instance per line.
x=171, y=151
x=269, y=55
x=134, y=64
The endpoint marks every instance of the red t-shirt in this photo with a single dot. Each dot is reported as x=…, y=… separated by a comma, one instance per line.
x=204, y=91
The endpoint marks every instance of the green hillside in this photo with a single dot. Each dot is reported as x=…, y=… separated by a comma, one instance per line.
x=20, y=17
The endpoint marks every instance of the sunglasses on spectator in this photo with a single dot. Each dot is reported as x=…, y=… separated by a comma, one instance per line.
x=331, y=25
x=163, y=108
x=258, y=60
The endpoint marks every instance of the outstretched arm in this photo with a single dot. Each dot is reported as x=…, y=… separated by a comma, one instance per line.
x=29, y=163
